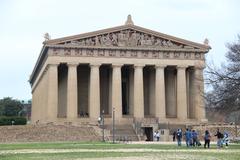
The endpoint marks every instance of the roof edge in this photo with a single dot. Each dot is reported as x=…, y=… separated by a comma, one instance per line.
x=128, y=26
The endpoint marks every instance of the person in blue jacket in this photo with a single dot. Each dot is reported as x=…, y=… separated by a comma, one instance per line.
x=188, y=136
x=195, y=138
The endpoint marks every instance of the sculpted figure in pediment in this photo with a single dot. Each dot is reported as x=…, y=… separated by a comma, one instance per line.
x=158, y=43
x=89, y=42
x=133, y=39
x=169, y=43
x=97, y=42
x=106, y=41
x=121, y=39
x=164, y=44
x=82, y=43
x=145, y=40
x=114, y=39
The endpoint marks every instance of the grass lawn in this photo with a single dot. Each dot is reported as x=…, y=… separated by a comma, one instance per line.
x=97, y=150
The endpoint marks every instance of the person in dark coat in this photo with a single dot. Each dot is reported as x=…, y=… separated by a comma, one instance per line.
x=179, y=137
x=174, y=136
x=219, y=136
x=207, y=138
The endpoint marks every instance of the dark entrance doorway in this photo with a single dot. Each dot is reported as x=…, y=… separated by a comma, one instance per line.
x=148, y=131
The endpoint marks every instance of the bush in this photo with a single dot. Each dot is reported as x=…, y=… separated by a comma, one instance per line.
x=8, y=121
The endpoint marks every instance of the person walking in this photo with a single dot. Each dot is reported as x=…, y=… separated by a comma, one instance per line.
x=207, y=138
x=179, y=137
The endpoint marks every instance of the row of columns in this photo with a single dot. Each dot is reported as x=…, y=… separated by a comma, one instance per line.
x=94, y=97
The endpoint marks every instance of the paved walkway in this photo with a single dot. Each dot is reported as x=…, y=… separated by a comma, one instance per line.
x=23, y=151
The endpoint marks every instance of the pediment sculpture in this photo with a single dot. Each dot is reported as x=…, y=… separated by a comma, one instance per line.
x=127, y=38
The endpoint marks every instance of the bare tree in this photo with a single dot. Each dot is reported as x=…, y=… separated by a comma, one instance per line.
x=225, y=82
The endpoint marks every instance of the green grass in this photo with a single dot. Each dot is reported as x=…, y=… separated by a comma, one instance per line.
x=66, y=156
x=94, y=145
x=161, y=151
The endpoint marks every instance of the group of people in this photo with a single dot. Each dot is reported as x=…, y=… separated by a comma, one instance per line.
x=192, y=140
x=191, y=137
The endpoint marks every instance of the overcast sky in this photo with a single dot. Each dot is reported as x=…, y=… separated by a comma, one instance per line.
x=23, y=23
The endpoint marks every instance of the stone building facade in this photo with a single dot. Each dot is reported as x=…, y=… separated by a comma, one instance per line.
x=146, y=76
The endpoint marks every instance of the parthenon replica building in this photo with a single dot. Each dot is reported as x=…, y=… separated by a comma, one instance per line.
x=143, y=75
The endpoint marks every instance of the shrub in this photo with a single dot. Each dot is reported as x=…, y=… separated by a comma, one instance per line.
x=8, y=121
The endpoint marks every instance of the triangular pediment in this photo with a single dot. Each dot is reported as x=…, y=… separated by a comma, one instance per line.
x=127, y=36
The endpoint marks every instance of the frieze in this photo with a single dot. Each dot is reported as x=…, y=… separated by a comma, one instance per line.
x=155, y=54
x=67, y=52
x=127, y=38
x=197, y=56
x=125, y=53
x=187, y=55
x=122, y=53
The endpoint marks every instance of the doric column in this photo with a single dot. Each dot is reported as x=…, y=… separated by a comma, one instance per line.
x=181, y=92
x=160, y=105
x=52, y=92
x=138, y=92
x=117, y=90
x=198, y=93
x=94, y=97
x=72, y=89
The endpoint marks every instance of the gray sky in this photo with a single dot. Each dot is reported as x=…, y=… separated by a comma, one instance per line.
x=23, y=23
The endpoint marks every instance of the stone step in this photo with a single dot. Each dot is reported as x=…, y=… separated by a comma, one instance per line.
x=123, y=133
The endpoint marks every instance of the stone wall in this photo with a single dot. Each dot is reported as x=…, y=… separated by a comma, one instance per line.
x=232, y=130
x=47, y=133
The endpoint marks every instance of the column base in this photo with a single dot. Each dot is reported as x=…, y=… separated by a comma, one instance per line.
x=204, y=120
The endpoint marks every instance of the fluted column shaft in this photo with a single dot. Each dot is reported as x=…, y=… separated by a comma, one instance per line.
x=160, y=105
x=52, y=92
x=94, y=97
x=117, y=90
x=138, y=92
x=72, y=89
x=198, y=94
x=181, y=92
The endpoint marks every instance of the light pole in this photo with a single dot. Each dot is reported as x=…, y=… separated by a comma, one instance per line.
x=101, y=122
x=113, y=117
x=103, y=126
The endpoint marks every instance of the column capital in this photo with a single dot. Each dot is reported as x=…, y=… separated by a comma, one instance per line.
x=72, y=64
x=160, y=66
x=117, y=64
x=200, y=67
x=182, y=66
x=139, y=65
x=53, y=64
x=95, y=64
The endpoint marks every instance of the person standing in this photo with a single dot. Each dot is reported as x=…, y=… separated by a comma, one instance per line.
x=207, y=138
x=226, y=139
x=219, y=136
x=179, y=137
x=158, y=135
x=155, y=135
x=174, y=136
x=188, y=136
x=195, y=138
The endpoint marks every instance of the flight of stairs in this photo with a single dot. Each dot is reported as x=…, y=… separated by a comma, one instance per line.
x=123, y=133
